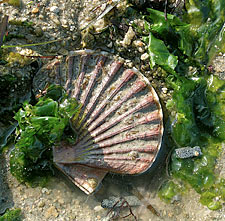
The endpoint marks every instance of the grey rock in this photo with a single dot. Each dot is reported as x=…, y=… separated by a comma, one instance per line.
x=188, y=152
x=117, y=201
x=6, y=199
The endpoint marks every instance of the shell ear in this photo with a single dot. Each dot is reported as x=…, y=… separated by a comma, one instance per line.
x=86, y=178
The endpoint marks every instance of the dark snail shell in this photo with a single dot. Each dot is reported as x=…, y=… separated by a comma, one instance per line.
x=120, y=124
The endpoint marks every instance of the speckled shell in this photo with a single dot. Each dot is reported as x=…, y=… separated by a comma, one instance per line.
x=120, y=124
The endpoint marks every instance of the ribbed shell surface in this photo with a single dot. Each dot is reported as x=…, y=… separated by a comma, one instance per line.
x=119, y=126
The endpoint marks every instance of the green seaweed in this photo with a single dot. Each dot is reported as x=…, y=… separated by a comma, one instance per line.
x=173, y=31
x=12, y=215
x=207, y=19
x=169, y=191
x=197, y=107
x=21, y=23
x=15, y=3
x=159, y=53
x=199, y=120
x=40, y=127
x=199, y=35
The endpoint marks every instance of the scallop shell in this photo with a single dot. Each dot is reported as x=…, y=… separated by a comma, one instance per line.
x=120, y=124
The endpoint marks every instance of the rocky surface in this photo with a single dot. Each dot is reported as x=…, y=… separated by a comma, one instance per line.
x=46, y=20
x=60, y=200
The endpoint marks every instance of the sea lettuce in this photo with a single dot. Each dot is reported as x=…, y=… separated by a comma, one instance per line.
x=199, y=121
x=172, y=30
x=12, y=215
x=40, y=127
x=198, y=35
x=197, y=107
x=207, y=20
x=159, y=53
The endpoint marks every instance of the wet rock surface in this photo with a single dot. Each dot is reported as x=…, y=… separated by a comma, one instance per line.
x=59, y=199
x=6, y=200
x=117, y=201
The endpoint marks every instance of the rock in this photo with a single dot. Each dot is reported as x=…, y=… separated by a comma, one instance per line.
x=54, y=9
x=41, y=204
x=64, y=23
x=63, y=51
x=144, y=56
x=51, y=211
x=110, y=203
x=128, y=37
x=55, y=19
x=141, y=49
x=61, y=201
x=38, y=31
x=138, y=43
x=187, y=152
x=110, y=45
x=98, y=208
x=35, y=10
x=100, y=25
x=46, y=191
x=164, y=90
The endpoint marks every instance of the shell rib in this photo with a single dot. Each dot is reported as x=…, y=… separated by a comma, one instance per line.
x=120, y=125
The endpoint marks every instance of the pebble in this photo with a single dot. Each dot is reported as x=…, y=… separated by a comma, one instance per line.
x=38, y=31
x=54, y=9
x=188, y=152
x=64, y=23
x=35, y=10
x=41, y=17
x=144, y=56
x=61, y=201
x=72, y=28
x=110, y=45
x=138, y=43
x=98, y=208
x=100, y=25
x=164, y=90
x=170, y=214
x=128, y=37
x=41, y=204
x=46, y=191
x=141, y=49
x=55, y=19
x=51, y=211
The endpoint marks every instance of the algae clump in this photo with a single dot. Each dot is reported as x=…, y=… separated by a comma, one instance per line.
x=12, y=215
x=197, y=107
x=40, y=127
x=200, y=120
